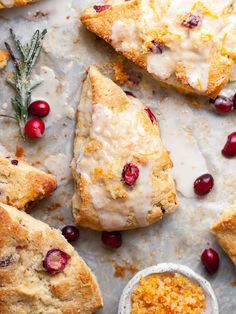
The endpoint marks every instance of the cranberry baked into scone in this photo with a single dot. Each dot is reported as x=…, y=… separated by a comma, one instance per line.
x=186, y=44
x=40, y=272
x=122, y=170
x=21, y=184
x=225, y=232
x=4, y=4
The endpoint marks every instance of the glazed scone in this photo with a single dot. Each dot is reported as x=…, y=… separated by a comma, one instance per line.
x=225, y=231
x=21, y=184
x=117, y=134
x=5, y=4
x=4, y=57
x=27, y=284
x=189, y=45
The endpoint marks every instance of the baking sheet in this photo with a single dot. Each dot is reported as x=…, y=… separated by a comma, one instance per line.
x=193, y=135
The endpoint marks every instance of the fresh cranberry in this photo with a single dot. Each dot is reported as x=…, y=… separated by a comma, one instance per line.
x=128, y=93
x=157, y=47
x=204, y=184
x=130, y=174
x=229, y=149
x=55, y=261
x=112, y=239
x=14, y=162
x=34, y=128
x=210, y=259
x=192, y=21
x=151, y=115
x=223, y=104
x=39, y=108
x=234, y=101
x=100, y=8
x=71, y=233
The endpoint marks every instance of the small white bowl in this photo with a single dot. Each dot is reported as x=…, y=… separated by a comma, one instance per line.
x=211, y=301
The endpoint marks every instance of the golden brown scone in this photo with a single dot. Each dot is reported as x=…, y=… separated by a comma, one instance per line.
x=4, y=57
x=225, y=231
x=26, y=284
x=5, y=4
x=188, y=45
x=21, y=183
x=114, y=130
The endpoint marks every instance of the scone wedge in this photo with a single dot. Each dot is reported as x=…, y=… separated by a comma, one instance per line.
x=121, y=168
x=21, y=184
x=225, y=231
x=188, y=45
x=4, y=57
x=6, y=4
x=27, y=284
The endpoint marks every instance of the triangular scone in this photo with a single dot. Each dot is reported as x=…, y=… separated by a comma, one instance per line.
x=225, y=231
x=6, y=4
x=21, y=184
x=186, y=44
x=4, y=56
x=26, y=285
x=114, y=130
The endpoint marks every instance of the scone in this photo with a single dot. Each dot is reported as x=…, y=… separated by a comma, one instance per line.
x=4, y=56
x=22, y=184
x=189, y=45
x=225, y=231
x=40, y=272
x=5, y=4
x=121, y=168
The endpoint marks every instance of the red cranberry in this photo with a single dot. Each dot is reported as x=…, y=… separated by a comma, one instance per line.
x=34, y=128
x=192, y=22
x=204, y=184
x=223, y=104
x=210, y=259
x=130, y=174
x=14, y=162
x=112, y=239
x=157, y=47
x=71, y=233
x=39, y=108
x=100, y=8
x=229, y=149
x=151, y=115
x=55, y=261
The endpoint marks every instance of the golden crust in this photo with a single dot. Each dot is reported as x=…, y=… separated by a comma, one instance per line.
x=25, y=286
x=17, y=3
x=220, y=66
x=22, y=184
x=225, y=231
x=163, y=196
x=4, y=57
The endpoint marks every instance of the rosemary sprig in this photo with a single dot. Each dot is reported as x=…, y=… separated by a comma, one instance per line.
x=23, y=64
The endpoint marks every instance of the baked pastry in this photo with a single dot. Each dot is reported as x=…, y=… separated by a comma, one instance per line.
x=121, y=168
x=225, y=231
x=5, y=4
x=22, y=184
x=188, y=45
x=4, y=56
x=40, y=272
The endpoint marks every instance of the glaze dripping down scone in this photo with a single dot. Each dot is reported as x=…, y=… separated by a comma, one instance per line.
x=113, y=131
x=189, y=45
x=4, y=57
x=6, y=4
x=225, y=231
x=26, y=287
x=22, y=184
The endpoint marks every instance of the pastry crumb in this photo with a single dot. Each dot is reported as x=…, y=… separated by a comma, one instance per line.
x=120, y=270
x=20, y=152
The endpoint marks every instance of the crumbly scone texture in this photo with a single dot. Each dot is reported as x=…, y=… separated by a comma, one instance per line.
x=151, y=34
x=4, y=57
x=15, y=3
x=114, y=129
x=225, y=231
x=21, y=184
x=25, y=286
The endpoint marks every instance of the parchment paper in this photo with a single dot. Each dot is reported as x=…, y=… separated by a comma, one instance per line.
x=194, y=137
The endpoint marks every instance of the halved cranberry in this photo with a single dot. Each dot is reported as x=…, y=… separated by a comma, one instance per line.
x=112, y=239
x=100, y=8
x=128, y=93
x=229, y=149
x=34, y=128
x=192, y=21
x=204, y=184
x=14, y=162
x=39, y=108
x=71, y=233
x=130, y=174
x=157, y=47
x=223, y=104
x=55, y=261
x=210, y=259
x=151, y=115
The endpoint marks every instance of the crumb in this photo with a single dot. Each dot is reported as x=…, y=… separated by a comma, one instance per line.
x=39, y=14
x=54, y=206
x=233, y=283
x=20, y=152
x=58, y=217
x=121, y=270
